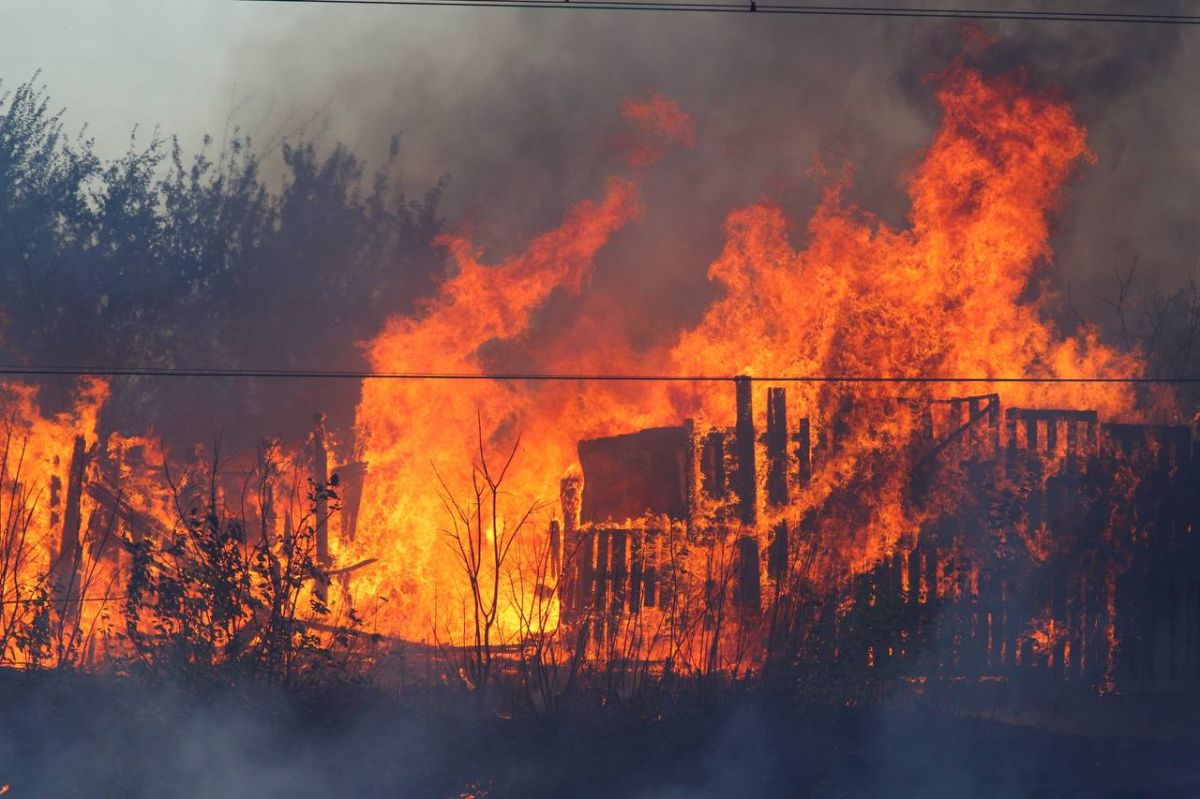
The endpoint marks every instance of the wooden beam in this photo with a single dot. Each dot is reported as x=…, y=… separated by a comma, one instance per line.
x=747, y=483
x=777, y=455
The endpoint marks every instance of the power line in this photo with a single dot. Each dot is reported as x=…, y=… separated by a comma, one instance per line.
x=775, y=8
x=331, y=374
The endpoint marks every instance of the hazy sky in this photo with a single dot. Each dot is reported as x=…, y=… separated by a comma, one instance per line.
x=117, y=63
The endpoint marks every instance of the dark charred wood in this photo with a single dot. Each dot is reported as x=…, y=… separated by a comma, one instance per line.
x=619, y=569
x=803, y=452
x=64, y=572
x=628, y=476
x=351, y=481
x=319, y=455
x=748, y=589
x=554, y=553
x=778, y=553
x=650, y=576
x=777, y=455
x=575, y=580
x=712, y=465
x=747, y=482
x=637, y=569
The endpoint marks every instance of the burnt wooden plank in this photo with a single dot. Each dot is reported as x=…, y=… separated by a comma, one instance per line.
x=650, y=575
x=319, y=460
x=629, y=476
x=747, y=482
x=637, y=569
x=554, y=555
x=748, y=587
x=777, y=553
x=712, y=465
x=803, y=441
x=777, y=455
x=575, y=576
x=65, y=569
x=619, y=569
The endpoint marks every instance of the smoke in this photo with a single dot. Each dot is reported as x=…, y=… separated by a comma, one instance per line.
x=516, y=106
x=66, y=735
x=521, y=109
x=71, y=735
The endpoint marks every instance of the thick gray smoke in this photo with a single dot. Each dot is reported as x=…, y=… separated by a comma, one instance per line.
x=516, y=107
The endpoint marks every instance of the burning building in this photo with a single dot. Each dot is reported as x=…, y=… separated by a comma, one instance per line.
x=1067, y=552
x=878, y=505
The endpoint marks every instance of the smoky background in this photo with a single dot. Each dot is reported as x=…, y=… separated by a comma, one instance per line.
x=363, y=132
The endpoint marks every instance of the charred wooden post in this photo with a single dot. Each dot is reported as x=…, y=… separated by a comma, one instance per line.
x=319, y=454
x=956, y=421
x=637, y=569
x=603, y=537
x=840, y=428
x=672, y=549
x=803, y=441
x=777, y=455
x=56, y=485
x=351, y=479
x=619, y=569
x=927, y=431
x=65, y=569
x=747, y=483
x=576, y=580
x=974, y=404
x=777, y=553
x=748, y=587
x=994, y=424
x=554, y=553
x=712, y=465
x=585, y=588
x=691, y=466
x=778, y=493
x=650, y=574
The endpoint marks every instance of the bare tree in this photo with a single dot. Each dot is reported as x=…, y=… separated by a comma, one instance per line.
x=482, y=538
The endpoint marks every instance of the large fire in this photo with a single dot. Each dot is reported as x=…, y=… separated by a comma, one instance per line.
x=954, y=293
x=947, y=296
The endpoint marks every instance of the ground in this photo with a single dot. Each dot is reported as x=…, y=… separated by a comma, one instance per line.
x=67, y=735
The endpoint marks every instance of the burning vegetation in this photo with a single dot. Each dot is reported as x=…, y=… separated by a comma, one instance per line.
x=909, y=472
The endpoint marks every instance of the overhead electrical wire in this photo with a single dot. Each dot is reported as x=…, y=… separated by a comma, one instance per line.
x=337, y=374
x=752, y=6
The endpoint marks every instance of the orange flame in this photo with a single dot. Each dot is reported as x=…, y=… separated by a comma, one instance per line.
x=948, y=295
x=953, y=293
